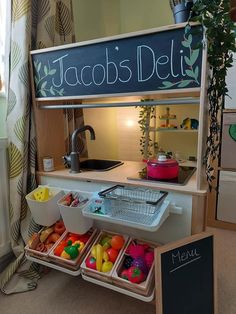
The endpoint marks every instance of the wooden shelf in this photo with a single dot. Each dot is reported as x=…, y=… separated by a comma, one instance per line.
x=172, y=130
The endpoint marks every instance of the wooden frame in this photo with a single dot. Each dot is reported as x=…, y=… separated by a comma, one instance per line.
x=158, y=275
x=212, y=198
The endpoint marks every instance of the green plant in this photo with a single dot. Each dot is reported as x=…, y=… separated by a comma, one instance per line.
x=146, y=113
x=219, y=28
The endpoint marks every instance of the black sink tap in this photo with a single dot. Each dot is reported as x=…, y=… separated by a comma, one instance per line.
x=74, y=155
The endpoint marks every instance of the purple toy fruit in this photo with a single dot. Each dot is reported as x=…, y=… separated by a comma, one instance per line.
x=149, y=258
x=141, y=264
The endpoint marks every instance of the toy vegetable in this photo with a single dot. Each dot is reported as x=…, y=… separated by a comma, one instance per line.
x=72, y=250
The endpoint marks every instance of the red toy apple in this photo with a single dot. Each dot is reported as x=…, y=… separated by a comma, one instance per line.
x=91, y=262
x=135, y=275
x=112, y=253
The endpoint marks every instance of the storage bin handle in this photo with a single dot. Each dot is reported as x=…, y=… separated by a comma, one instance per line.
x=103, y=193
x=159, y=200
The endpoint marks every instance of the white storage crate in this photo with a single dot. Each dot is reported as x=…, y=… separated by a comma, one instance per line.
x=45, y=213
x=72, y=215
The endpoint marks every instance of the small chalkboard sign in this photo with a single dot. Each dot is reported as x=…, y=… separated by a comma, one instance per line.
x=156, y=60
x=185, y=277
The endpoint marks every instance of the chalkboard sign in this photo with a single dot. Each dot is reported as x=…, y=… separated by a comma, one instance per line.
x=185, y=276
x=138, y=62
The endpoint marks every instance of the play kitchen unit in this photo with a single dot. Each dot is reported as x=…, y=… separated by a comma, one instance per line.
x=134, y=227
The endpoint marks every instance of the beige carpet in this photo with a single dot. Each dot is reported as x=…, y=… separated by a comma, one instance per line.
x=59, y=293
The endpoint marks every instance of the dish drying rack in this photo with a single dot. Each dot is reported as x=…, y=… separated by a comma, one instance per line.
x=137, y=207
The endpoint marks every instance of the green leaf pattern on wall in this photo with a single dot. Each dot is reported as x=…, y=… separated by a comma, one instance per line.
x=20, y=8
x=192, y=72
x=63, y=19
x=15, y=55
x=15, y=159
x=11, y=101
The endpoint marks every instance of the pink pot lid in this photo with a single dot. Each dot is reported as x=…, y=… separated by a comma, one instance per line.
x=162, y=162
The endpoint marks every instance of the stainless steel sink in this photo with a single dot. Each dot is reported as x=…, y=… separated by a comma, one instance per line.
x=99, y=164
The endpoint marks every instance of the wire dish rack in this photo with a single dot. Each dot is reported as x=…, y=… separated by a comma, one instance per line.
x=137, y=207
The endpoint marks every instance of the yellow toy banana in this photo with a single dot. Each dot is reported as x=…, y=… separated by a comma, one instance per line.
x=99, y=257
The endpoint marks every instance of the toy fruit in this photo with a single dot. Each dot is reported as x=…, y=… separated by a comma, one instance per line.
x=59, y=227
x=91, y=262
x=72, y=250
x=99, y=256
x=80, y=243
x=149, y=258
x=135, y=275
x=124, y=274
x=128, y=262
x=107, y=266
x=141, y=264
x=112, y=253
x=136, y=250
x=59, y=249
x=52, y=238
x=117, y=242
x=65, y=255
x=106, y=242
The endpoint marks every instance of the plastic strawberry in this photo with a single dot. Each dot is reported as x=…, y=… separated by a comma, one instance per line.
x=135, y=275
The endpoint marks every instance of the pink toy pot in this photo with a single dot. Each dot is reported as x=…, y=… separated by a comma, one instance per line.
x=162, y=168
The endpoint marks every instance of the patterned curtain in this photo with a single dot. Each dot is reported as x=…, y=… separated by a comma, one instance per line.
x=34, y=24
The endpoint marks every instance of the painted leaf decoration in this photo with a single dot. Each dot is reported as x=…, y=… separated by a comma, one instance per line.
x=24, y=75
x=185, y=44
x=166, y=84
x=20, y=128
x=44, y=84
x=184, y=83
x=15, y=159
x=39, y=66
x=187, y=61
x=196, y=72
x=190, y=73
x=190, y=39
x=194, y=56
x=52, y=71
x=20, y=8
x=63, y=19
x=50, y=27
x=52, y=91
x=45, y=70
x=42, y=92
x=15, y=55
x=11, y=101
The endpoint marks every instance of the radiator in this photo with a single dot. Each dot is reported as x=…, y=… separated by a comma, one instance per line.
x=4, y=200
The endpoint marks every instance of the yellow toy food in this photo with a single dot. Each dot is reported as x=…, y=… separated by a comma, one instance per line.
x=42, y=194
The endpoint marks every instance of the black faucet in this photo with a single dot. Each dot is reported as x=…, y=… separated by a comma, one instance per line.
x=74, y=155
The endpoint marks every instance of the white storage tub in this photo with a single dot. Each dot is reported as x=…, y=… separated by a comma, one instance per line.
x=72, y=215
x=45, y=213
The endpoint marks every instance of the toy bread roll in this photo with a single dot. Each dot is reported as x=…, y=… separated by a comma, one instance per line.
x=45, y=233
x=33, y=241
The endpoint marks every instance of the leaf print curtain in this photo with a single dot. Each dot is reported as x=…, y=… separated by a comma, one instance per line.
x=34, y=24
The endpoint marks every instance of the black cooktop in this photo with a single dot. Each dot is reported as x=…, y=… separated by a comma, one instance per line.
x=184, y=175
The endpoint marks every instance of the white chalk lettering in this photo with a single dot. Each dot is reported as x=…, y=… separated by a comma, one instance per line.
x=97, y=66
x=61, y=71
x=162, y=63
x=128, y=69
x=82, y=75
x=111, y=65
x=71, y=76
x=141, y=53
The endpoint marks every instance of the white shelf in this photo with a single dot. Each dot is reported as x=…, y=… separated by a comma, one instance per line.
x=118, y=289
x=54, y=266
x=132, y=218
